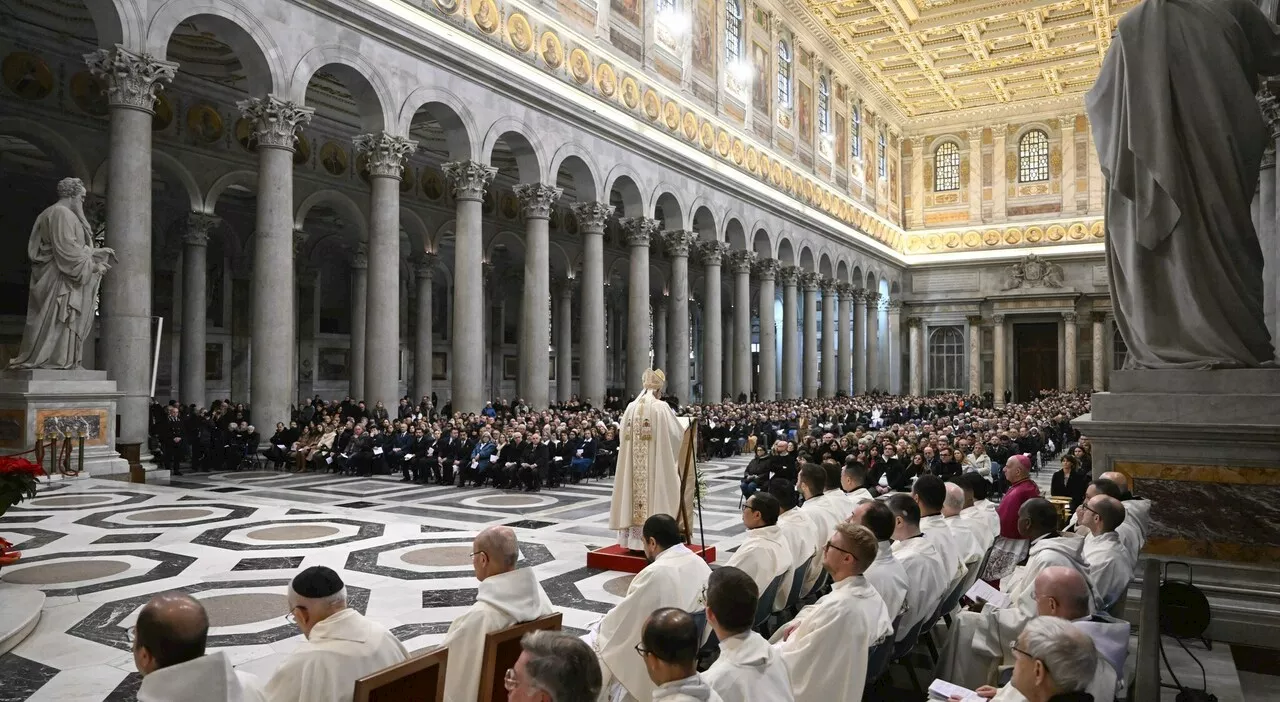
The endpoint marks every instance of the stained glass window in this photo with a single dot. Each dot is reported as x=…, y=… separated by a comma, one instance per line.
x=1033, y=157
x=946, y=167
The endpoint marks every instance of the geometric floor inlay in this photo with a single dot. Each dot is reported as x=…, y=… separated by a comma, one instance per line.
x=63, y=572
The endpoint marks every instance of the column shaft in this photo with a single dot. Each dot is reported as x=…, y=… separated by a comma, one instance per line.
x=893, y=349
x=564, y=342
x=790, y=330
x=191, y=359
x=1099, y=353
x=1071, y=330
x=660, y=334
x=829, y=371
x=915, y=352
x=535, y=312
x=640, y=231
x=873, y=343
x=975, y=355
x=860, y=342
x=712, y=338
x=469, y=181
x=767, y=386
x=422, y=350
x=844, y=343
x=591, y=217
x=359, y=326
x=810, y=314
x=742, y=263
x=727, y=359
x=1000, y=383
x=677, y=244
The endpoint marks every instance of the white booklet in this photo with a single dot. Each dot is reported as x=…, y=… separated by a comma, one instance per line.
x=943, y=690
x=982, y=591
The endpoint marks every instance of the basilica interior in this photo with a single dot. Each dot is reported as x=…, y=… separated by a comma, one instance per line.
x=791, y=200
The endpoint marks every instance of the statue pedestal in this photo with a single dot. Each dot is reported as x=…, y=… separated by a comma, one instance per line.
x=1204, y=447
x=54, y=403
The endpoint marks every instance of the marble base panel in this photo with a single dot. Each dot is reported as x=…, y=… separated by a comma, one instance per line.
x=43, y=403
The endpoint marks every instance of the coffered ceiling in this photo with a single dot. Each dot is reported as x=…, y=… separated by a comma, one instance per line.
x=934, y=57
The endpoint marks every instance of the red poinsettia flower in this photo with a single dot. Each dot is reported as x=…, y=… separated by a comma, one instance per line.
x=18, y=464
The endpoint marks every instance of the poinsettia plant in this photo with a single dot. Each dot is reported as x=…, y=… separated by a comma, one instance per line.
x=18, y=480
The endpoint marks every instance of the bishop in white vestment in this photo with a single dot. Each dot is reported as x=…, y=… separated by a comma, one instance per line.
x=648, y=479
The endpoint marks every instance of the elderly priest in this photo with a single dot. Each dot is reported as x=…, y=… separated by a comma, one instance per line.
x=507, y=596
x=342, y=646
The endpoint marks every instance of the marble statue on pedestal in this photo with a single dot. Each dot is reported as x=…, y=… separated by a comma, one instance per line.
x=66, y=270
x=1180, y=140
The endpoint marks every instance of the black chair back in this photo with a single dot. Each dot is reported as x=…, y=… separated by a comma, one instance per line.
x=764, y=606
x=793, y=597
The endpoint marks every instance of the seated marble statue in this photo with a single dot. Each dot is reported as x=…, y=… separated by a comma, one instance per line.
x=66, y=270
x=648, y=479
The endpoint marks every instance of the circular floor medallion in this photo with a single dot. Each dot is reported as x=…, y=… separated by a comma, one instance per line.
x=169, y=515
x=70, y=501
x=618, y=586
x=64, y=572
x=439, y=556
x=300, y=532
x=247, y=608
x=509, y=500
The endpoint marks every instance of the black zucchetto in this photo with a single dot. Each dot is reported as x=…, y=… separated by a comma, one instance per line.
x=317, y=582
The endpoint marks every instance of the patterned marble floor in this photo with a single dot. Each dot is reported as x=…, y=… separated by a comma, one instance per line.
x=99, y=549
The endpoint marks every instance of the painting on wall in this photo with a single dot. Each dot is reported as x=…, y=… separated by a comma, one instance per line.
x=439, y=365
x=628, y=10
x=333, y=363
x=704, y=31
x=760, y=63
x=805, y=118
x=842, y=142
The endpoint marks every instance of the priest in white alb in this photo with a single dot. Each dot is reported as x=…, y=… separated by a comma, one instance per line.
x=649, y=479
x=763, y=552
x=1110, y=569
x=507, y=596
x=675, y=577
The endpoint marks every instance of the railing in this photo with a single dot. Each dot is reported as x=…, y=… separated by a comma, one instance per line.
x=58, y=448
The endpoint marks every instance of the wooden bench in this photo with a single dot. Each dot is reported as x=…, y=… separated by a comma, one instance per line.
x=501, y=649
x=419, y=678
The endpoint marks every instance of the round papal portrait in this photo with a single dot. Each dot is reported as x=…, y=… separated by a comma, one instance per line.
x=27, y=75
x=89, y=93
x=333, y=158
x=204, y=124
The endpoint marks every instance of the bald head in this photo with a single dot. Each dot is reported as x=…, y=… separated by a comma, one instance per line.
x=954, y=502
x=1120, y=479
x=1062, y=592
x=172, y=628
x=1109, y=511
x=1037, y=517
x=500, y=545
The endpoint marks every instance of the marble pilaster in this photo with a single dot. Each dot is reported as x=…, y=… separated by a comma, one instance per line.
x=999, y=179
x=422, y=346
x=591, y=217
x=1071, y=334
x=742, y=262
x=975, y=174
x=640, y=231
x=975, y=355
x=790, y=277
x=469, y=180
x=860, y=341
x=535, y=315
x=712, y=253
x=809, y=382
x=1067, y=123
x=767, y=384
x=564, y=338
x=827, y=380
x=386, y=155
x=873, y=342
x=915, y=353
x=275, y=123
x=195, y=266
x=132, y=81
x=359, y=326
x=1000, y=384
x=677, y=247
x=1098, y=320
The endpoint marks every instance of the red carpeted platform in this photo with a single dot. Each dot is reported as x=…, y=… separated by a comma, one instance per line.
x=616, y=557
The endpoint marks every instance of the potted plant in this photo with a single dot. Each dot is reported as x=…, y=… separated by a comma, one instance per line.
x=18, y=481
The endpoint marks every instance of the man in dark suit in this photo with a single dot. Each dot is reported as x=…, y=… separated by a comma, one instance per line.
x=509, y=462
x=358, y=456
x=447, y=451
x=173, y=439
x=534, y=463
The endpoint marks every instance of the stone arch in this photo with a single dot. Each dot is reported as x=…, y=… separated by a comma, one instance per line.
x=561, y=261
x=526, y=149
x=413, y=227
x=577, y=163
x=700, y=202
x=623, y=180
x=858, y=280
x=451, y=112
x=225, y=181
x=672, y=210
x=160, y=160
x=56, y=147
x=704, y=223
x=761, y=244
x=358, y=75
x=806, y=260
x=786, y=251
x=825, y=266
x=340, y=202
x=842, y=272
x=503, y=236
x=117, y=22
x=443, y=233
x=235, y=24
x=734, y=235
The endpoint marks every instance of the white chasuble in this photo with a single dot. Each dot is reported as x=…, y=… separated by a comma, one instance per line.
x=341, y=650
x=965, y=534
x=889, y=579
x=502, y=601
x=648, y=481
x=749, y=669
x=676, y=578
x=799, y=533
x=763, y=556
x=824, y=512
x=826, y=655
x=928, y=576
x=1110, y=569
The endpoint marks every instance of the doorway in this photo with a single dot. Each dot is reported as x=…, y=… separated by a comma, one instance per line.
x=1035, y=359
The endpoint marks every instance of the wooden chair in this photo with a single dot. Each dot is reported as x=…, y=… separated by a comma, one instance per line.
x=501, y=649
x=420, y=678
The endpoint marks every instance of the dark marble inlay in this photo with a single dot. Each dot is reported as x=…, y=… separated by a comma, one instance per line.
x=301, y=511
x=404, y=632
x=103, y=624
x=449, y=598
x=563, y=591
x=530, y=524
x=39, y=538
x=126, y=538
x=230, y=488
x=23, y=518
x=20, y=678
x=127, y=690
x=131, y=498
x=99, y=519
x=218, y=537
x=298, y=496
x=446, y=515
x=276, y=563
x=167, y=566
x=359, y=505
x=1215, y=512
x=366, y=560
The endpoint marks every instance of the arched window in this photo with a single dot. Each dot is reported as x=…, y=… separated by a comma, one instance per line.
x=824, y=105
x=784, y=74
x=1033, y=157
x=882, y=155
x=667, y=6
x=732, y=32
x=946, y=357
x=856, y=136
x=946, y=167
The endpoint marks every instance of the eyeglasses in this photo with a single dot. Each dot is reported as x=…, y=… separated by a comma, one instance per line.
x=831, y=545
x=640, y=649
x=509, y=680
x=477, y=553
x=133, y=636
x=1088, y=508
x=1013, y=646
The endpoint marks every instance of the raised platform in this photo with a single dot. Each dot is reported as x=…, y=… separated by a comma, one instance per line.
x=19, y=615
x=618, y=558
x=52, y=403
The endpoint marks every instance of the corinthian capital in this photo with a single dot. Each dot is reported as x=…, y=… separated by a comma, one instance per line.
x=1270, y=107
x=425, y=267
x=640, y=230
x=469, y=178
x=873, y=300
x=809, y=280
x=275, y=121
x=199, y=225
x=386, y=153
x=537, y=199
x=860, y=296
x=789, y=275
x=742, y=261
x=679, y=241
x=132, y=78
x=360, y=257
x=591, y=216
x=712, y=252
x=767, y=268
x=828, y=285
x=845, y=290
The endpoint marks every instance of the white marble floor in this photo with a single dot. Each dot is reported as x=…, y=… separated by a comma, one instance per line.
x=100, y=549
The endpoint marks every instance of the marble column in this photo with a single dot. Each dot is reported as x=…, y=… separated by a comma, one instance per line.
x=195, y=267
x=640, y=231
x=386, y=155
x=535, y=313
x=1269, y=231
x=975, y=175
x=1099, y=351
x=677, y=245
x=469, y=180
x=712, y=253
x=809, y=382
x=893, y=348
x=742, y=262
x=1000, y=383
x=564, y=339
x=999, y=179
x=767, y=385
x=827, y=381
x=275, y=122
x=1067, y=123
x=1072, y=331
x=132, y=81
x=873, y=342
x=301, y=271
x=359, y=304
x=915, y=352
x=975, y=355
x=860, y=341
x=660, y=332
x=726, y=359
x=422, y=352
x=591, y=217
x=844, y=345
x=790, y=276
